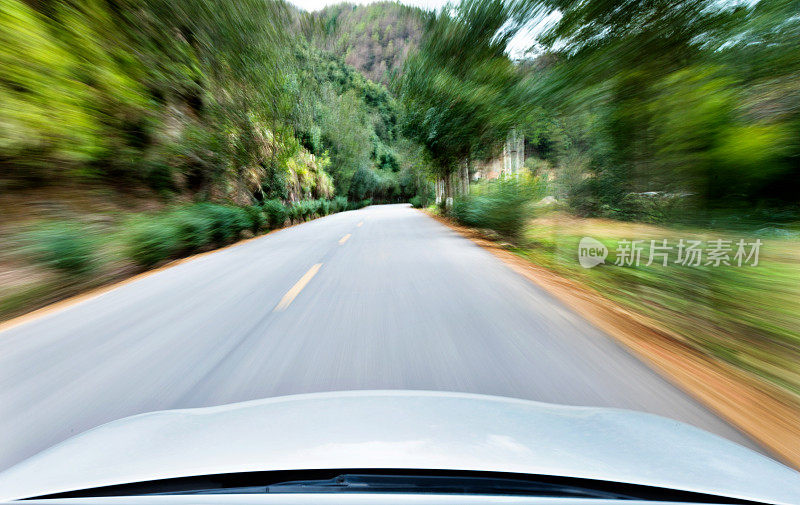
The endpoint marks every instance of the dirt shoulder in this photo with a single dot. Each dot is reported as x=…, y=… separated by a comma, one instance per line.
x=761, y=410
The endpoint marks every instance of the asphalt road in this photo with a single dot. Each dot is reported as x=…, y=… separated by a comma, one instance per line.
x=380, y=298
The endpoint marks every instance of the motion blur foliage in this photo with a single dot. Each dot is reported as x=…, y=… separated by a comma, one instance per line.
x=193, y=227
x=375, y=184
x=355, y=122
x=502, y=205
x=126, y=91
x=226, y=221
x=149, y=239
x=257, y=218
x=62, y=245
x=461, y=91
x=152, y=241
x=671, y=98
x=226, y=100
x=276, y=213
x=66, y=66
x=675, y=113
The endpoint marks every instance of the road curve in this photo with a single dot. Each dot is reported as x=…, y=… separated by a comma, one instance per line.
x=380, y=298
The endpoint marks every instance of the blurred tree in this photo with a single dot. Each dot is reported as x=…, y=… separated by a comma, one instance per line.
x=460, y=90
x=656, y=94
x=205, y=96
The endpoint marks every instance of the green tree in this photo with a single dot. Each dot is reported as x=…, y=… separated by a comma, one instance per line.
x=655, y=94
x=460, y=90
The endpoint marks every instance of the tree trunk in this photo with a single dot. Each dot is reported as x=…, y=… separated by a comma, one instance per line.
x=448, y=191
x=465, y=178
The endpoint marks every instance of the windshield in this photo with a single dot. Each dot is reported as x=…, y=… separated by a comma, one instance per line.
x=545, y=237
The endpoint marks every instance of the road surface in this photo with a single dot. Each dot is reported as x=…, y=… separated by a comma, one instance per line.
x=380, y=298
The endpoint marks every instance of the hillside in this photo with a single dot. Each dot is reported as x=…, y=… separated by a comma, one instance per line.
x=134, y=133
x=373, y=38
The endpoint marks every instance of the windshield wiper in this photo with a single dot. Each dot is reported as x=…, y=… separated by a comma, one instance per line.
x=397, y=481
x=418, y=484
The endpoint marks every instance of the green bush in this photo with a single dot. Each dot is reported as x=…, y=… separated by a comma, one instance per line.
x=293, y=211
x=502, y=206
x=242, y=220
x=339, y=204
x=225, y=222
x=416, y=202
x=303, y=210
x=193, y=227
x=357, y=204
x=152, y=240
x=314, y=207
x=307, y=209
x=63, y=246
x=276, y=213
x=324, y=207
x=463, y=210
x=298, y=210
x=185, y=230
x=257, y=218
x=650, y=207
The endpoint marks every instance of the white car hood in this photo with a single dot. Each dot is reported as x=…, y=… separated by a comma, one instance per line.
x=404, y=429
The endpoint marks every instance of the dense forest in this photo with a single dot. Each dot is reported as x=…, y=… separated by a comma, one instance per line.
x=374, y=38
x=632, y=110
x=253, y=100
x=698, y=101
x=222, y=100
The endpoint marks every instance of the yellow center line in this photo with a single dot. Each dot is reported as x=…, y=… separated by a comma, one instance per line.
x=360, y=223
x=344, y=239
x=292, y=293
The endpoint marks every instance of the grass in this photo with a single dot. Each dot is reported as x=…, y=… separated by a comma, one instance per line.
x=747, y=316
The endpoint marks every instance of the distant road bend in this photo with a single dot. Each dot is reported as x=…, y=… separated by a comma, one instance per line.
x=380, y=298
